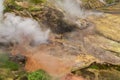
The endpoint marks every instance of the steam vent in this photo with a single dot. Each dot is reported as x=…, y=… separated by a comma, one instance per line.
x=59, y=39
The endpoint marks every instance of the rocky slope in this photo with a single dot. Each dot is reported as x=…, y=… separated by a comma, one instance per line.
x=72, y=47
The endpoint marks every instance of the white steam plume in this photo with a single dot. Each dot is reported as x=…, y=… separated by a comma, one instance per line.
x=74, y=11
x=103, y=1
x=74, y=8
x=71, y=7
x=18, y=29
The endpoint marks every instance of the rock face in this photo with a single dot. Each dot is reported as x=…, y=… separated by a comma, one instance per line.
x=72, y=77
x=78, y=49
x=114, y=9
x=73, y=48
x=88, y=4
x=106, y=39
x=54, y=19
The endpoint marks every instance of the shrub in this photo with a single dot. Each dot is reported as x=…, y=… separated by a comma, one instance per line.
x=38, y=75
x=11, y=65
x=6, y=63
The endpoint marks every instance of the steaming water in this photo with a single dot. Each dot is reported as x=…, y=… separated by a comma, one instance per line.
x=18, y=29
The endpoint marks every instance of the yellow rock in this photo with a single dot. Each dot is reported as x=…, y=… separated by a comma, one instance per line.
x=109, y=26
x=105, y=43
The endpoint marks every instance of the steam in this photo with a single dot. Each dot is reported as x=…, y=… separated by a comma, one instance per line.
x=102, y=1
x=74, y=11
x=1, y=9
x=18, y=29
x=71, y=7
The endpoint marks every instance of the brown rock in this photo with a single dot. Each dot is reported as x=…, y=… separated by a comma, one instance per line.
x=72, y=77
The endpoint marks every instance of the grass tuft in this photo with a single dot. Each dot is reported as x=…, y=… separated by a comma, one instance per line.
x=38, y=75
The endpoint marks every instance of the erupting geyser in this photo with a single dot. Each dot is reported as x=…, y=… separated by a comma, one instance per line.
x=71, y=7
x=18, y=29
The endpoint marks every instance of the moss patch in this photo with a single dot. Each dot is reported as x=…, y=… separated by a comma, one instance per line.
x=6, y=63
x=37, y=1
x=38, y=75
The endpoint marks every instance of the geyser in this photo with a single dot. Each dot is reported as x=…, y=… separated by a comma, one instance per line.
x=74, y=12
x=19, y=29
x=71, y=7
x=74, y=8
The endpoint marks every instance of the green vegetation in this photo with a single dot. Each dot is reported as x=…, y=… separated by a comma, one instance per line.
x=38, y=75
x=94, y=67
x=101, y=66
x=110, y=1
x=7, y=66
x=11, y=65
x=11, y=5
x=34, y=9
x=6, y=63
x=37, y=1
x=32, y=5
